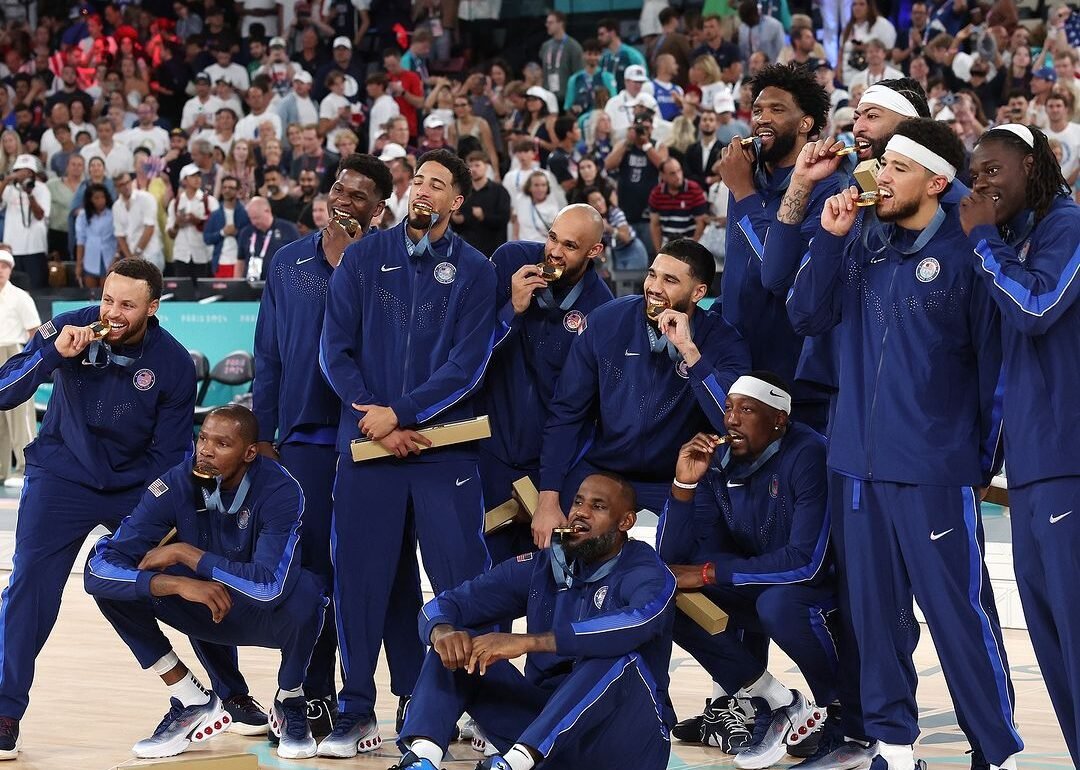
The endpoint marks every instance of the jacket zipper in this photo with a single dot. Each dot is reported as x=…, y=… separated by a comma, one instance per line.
x=409, y=330
x=877, y=377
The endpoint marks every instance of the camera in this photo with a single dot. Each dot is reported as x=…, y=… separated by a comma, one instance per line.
x=28, y=184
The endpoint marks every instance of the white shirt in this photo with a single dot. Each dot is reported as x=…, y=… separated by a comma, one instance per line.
x=193, y=108
x=620, y=108
x=866, y=79
x=235, y=74
x=23, y=232
x=516, y=177
x=18, y=315
x=216, y=139
x=328, y=110
x=230, y=249
x=248, y=127
x=155, y=138
x=117, y=160
x=1070, y=147
x=132, y=217
x=384, y=108
x=49, y=146
x=188, y=245
x=534, y=220
x=882, y=29
x=398, y=207
x=77, y=128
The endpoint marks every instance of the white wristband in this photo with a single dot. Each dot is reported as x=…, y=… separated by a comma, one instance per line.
x=680, y=485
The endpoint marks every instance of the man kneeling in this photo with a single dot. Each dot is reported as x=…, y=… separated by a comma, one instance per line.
x=594, y=691
x=229, y=577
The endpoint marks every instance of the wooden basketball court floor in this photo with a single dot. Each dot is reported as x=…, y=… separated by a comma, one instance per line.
x=91, y=702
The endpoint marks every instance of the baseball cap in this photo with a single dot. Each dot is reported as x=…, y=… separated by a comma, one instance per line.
x=342, y=42
x=546, y=96
x=202, y=77
x=303, y=76
x=179, y=132
x=636, y=73
x=1045, y=73
x=5, y=256
x=277, y=42
x=724, y=102
x=392, y=151
x=27, y=162
x=433, y=121
x=824, y=64
x=189, y=170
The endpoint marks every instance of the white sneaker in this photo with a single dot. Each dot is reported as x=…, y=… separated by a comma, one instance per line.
x=353, y=734
x=774, y=730
x=183, y=726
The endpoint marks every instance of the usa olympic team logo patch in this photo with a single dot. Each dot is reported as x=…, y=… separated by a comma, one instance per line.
x=573, y=321
x=144, y=379
x=445, y=273
x=1022, y=256
x=774, y=487
x=682, y=369
x=243, y=518
x=928, y=270
x=599, y=596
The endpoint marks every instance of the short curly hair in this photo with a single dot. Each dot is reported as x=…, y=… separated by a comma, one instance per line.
x=801, y=84
x=937, y=137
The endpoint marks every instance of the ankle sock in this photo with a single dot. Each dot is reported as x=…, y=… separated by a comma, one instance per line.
x=189, y=691
x=897, y=757
x=770, y=689
x=284, y=695
x=519, y=758
x=425, y=749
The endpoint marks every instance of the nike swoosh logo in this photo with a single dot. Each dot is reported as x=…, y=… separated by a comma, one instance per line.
x=632, y=354
x=302, y=261
x=459, y=482
x=87, y=362
x=1059, y=517
x=386, y=269
x=736, y=483
x=774, y=393
x=875, y=260
x=939, y=535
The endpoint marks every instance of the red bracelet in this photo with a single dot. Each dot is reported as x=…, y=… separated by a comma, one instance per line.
x=705, y=573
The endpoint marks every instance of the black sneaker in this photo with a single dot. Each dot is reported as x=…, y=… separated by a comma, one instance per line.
x=726, y=726
x=322, y=714
x=689, y=730
x=248, y=715
x=978, y=761
x=9, y=738
x=402, y=705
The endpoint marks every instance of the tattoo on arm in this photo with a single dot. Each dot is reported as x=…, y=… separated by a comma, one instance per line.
x=793, y=207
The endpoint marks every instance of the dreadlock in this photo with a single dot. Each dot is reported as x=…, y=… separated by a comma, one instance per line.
x=800, y=83
x=1045, y=183
x=910, y=89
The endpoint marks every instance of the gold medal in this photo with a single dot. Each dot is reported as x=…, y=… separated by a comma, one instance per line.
x=654, y=307
x=846, y=151
x=422, y=208
x=101, y=328
x=871, y=198
x=347, y=222
x=551, y=272
x=747, y=141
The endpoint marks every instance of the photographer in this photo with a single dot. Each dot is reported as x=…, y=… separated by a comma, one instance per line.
x=637, y=160
x=28, y=205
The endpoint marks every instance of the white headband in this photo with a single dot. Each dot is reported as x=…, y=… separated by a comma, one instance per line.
x=928, y=159
x=1020, y=130
x=768, y=394
x=883, y=96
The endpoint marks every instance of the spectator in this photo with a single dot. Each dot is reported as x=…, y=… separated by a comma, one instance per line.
x=350, y=67
x=198, y=112
x=397, y=131
x=1059, y=109
x=677, y=205
x=117, y=156
x=277, y=68
x=665, y=91
x=187, y=23
x=627, y=250
x=415, y=59
x=135, y=223
x=714, y=45
x=261, y=120
x=309, y=54
x=240, y=166
x=18, y=320
x=865, y=23
x=67, y=148
x=1065, y=66
x=560, y=55
x=275, y=191
x=308, y=188
x=911, y=41
x=617, y=55
x=583, y=86
x=10, y=149
x=522, y=167
x=636, y=159
x=876, y=67
x=561, y=162
x=705, y=152
x=383, y=107
x=534, y=210
x=298, y=108
x=405, y=87
x=261, y=239
x=59, y=115
x=1043, y=81
x=224, y=68
x=627, y=103
x=222, y=228
x=335, y=111
x=311, y=156
x=145, y=133
x=188, y=214
x=95, y=237
x=177, y=157
x=542, y=109
x=804, y=50
x=758, y=33
x=468, y=134
x=483, y=217
x=202, y=155
x=707, y=77
x=62, y=189
x=27, y=204
x=672, y=41
x=397, y=206
x=589, y=176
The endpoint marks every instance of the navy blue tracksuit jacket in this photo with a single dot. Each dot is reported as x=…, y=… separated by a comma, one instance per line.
x=644, y=404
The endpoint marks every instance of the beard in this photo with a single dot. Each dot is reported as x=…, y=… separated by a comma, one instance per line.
x=900, y=210
x=782, y=145
x=591, y=549
x=421, y=221
x=877, y=147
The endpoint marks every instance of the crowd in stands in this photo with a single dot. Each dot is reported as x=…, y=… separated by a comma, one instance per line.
x=202, y=135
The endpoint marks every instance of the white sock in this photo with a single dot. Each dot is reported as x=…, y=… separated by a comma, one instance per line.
x=284, y=695
x=166, y=664
x=770, y=689
x=425, y=749
x=897, y=757
x=1008, y=764
x=189, y=691
x=519, y=758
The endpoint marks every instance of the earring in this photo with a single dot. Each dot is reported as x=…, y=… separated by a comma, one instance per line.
x=776, y=428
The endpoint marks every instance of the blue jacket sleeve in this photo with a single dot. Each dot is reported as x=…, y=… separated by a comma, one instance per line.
x=112, y=571
x=786, y=244
x=266, y=389
x=675, y=532
x=339, y=355
x=175, y=416
x=468, y=357
x=1032, y=296
x=212, y=231
x=724, y=359
x=500, y=593
x=749, y=218
x=640, y=615
x=572, y=409
x=507, y=322
x=805, y=554
x=21, y=374
x=985, y=330
x=814, y=302
x=276, y=559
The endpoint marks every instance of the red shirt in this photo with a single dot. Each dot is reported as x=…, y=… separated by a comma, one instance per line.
x=410, y=81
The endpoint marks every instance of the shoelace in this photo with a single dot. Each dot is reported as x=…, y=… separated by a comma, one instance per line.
x=245, y=702
x=347, y=722
x=295, y=712
x=733, y=719
x=175, y=711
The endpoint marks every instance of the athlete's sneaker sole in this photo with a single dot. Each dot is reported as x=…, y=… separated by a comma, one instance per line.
x=12, y=753
x=208, y=727
x=806, y=713
x=305, y=750
x=243, y=728
x=364, y=745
